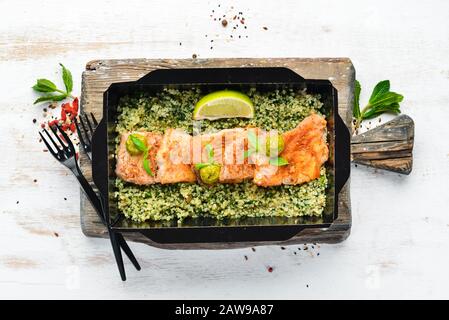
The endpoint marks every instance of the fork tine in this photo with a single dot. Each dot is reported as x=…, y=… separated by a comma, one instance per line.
x=80, y=133
x=63, y=145
x=85, y=130
x=52, y=140
x=94, y=120
x=50, y=149
x=67, y=139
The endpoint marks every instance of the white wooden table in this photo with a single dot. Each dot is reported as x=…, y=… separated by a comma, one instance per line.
x=398, y=246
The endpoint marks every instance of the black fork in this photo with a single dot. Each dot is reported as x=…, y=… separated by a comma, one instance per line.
x=63, y=150
x=85, y=135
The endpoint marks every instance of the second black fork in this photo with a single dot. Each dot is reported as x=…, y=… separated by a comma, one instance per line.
x=63, y=150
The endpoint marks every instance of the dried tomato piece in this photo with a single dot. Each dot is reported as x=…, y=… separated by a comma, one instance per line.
x=75, y=105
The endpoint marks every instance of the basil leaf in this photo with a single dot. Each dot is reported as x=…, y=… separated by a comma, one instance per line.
x=278, y=161
x=67, y=78
x=357, y=90
x=200, y=166
x=146, y=163
x=377, y=111
x=253, y=141
x=59, y=97
x=387, y=99
x=44, y=85
x=247, y=153
x=210, y=152
x=379, y=90
x=140, y=145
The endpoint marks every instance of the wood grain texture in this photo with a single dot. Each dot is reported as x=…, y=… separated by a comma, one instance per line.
x=388, y=147
x=100, y=74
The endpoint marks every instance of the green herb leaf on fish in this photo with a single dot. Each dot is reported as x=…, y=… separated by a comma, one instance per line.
x=199, y=166
x=278, y=161
x=210, y=158
x=146, y=163
x=253, y=140
x=210, y=152
x=140, y=145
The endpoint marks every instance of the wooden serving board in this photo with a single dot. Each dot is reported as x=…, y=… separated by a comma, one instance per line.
x=99, y=74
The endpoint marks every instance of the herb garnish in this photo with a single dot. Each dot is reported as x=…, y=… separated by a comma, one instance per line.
x=382, y=100
x=140, y=145
x=254, y=147
x=49, y=89
x=210, y=158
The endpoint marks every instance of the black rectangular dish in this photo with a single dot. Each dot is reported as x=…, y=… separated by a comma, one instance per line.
x=207, y=230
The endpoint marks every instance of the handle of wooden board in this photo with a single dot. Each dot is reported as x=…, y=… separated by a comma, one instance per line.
x=388, y=147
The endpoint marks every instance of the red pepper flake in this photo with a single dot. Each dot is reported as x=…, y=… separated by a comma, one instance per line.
x=42, y=125
x=72, y=127
x=270, y=269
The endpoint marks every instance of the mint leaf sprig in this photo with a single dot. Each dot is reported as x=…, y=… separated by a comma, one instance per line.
x=51, y=91
x=382, y=100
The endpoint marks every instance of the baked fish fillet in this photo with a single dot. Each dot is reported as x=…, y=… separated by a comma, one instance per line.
x=174, y=157
x=305, y=150
x=130, y=168
x=228, y=150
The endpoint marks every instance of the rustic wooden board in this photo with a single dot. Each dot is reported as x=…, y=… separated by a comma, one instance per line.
x=99, y=74
x=388, y=147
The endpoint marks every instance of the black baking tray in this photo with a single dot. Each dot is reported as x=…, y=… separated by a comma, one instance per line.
x=208, y=230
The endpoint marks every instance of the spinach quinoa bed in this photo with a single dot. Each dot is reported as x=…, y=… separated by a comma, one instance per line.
x=281, y=110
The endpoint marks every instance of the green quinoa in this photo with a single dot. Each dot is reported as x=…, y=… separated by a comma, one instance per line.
x=281, y=110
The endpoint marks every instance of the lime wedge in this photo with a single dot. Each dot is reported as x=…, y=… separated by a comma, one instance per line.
x=224, y=104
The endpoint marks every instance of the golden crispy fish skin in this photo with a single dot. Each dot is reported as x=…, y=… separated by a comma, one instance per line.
x=305, y=150
x=130, y=167
x=174, y=157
